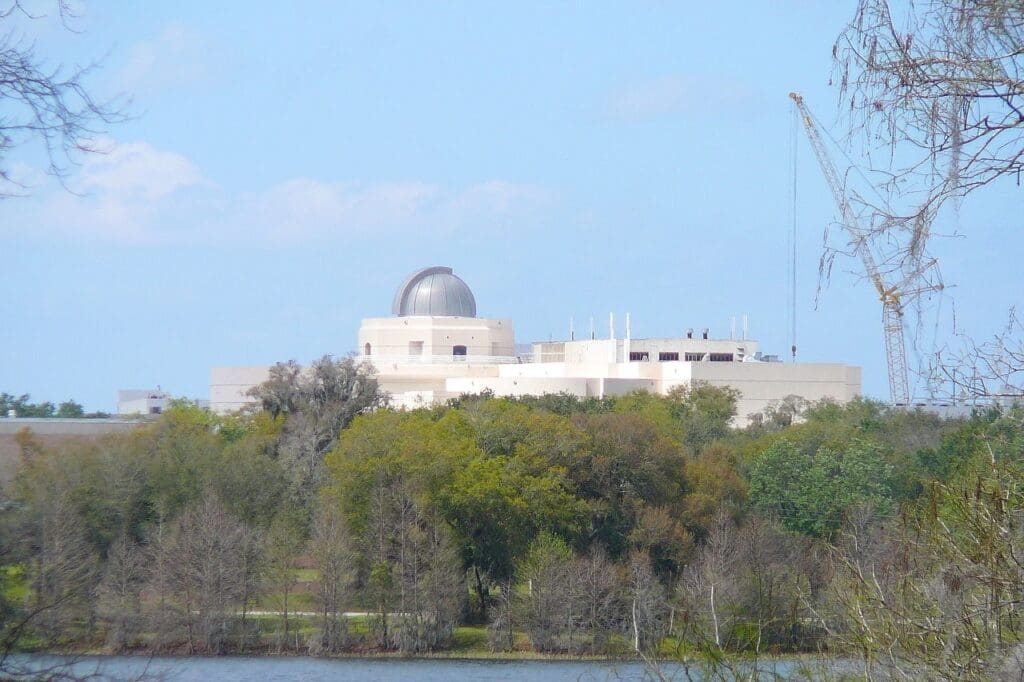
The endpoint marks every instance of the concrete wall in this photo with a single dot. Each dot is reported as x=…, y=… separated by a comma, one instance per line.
x=141, y=401
x=762, y=383
x=518, y=385
x=390, y=337
x=618, y=350
x=228, y=386
x=759, y=383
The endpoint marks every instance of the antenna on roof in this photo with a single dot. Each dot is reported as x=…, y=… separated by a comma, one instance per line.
x=572, y=332
x=592, y=334
x=625, y=345
x=611, y=325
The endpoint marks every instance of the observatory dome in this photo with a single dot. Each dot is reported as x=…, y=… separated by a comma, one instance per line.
x=435, y=292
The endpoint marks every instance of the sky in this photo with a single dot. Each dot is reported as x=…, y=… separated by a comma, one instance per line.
x=286, y=165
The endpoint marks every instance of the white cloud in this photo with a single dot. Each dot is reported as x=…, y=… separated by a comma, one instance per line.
x=303, y=206
x=135, y=193
x=178, y=56
x=643, y=100
x=135, y=171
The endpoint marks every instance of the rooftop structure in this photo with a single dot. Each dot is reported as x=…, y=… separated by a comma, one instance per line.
x=141, y=401
x=434, y=292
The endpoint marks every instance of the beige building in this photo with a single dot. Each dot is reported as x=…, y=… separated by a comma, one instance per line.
x=434, y=347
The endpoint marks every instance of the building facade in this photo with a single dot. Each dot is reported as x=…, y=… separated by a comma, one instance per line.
x=434, y=347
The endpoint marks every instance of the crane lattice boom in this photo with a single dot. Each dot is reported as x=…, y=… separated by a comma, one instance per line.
x=892, y=307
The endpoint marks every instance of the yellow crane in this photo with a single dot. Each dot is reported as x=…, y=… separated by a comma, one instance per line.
x=892, y=296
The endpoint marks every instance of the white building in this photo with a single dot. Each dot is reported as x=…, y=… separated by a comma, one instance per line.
x=141, y=401
x=434, y=347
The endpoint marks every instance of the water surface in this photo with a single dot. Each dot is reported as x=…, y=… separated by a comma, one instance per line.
x=301, y=668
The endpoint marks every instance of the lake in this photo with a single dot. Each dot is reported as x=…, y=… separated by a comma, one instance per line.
x=287, y=668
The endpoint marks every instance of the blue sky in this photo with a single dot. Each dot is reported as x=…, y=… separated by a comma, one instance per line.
x=288, y=164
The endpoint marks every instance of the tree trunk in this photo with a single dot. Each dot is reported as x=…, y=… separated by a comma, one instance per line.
x=714, y=617
x=480, y=593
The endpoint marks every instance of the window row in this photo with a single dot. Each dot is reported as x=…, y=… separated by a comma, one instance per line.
x=672, y=356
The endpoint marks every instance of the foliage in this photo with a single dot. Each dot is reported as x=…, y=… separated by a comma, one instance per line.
x=812, y=492
x=315, y=404
x=938, y=597
x=598, y=530
x=21, y=407
x=545, y=576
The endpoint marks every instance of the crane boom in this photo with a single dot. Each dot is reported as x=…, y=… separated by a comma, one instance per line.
x=892, y=308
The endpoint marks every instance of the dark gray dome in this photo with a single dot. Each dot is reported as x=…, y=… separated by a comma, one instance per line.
x=435, y=292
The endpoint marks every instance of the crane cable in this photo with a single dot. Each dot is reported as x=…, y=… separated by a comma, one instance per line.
x=792, y=235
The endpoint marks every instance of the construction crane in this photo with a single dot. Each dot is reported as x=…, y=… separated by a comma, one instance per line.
x=891, y=296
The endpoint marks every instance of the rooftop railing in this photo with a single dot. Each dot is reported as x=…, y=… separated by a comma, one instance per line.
x=444, y=359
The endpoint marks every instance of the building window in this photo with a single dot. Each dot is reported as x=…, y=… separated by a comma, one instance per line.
x=155, y=410
x=693, y=357
x=721, y=357
x=415, y=348
x=668, y=357
x=366, y=349
x=459, y=352
x=639, y=356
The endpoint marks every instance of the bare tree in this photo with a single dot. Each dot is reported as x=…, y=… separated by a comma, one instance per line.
x=120, y=591
x=432, y=585
x=708, y=590
x=211, y=572
x=284, y=541
x=646, y=600
x=163, y=616
x=935, y=91
x=501, y=627
x=990, y=370
x=945, y=78
x=46, y=103
x=331, y=547
x=410, y=569
x=63, y=575
x=939, y=598
x=542, y=602
x=64, y=565
x=598, y=598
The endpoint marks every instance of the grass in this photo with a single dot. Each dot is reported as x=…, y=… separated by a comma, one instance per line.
x=306, y=575
x=468, y=639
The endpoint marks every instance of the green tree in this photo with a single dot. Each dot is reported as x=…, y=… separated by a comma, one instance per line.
x=812, y=492
x=21, y=406
x=705, y=412
x=388, y=471
x=69, y=409
x=544, y=594
x=496, y=509
x=494, y=505
x=632, y=466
